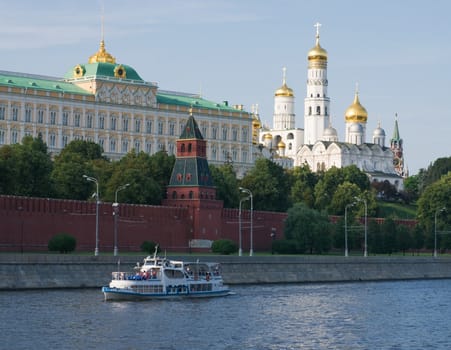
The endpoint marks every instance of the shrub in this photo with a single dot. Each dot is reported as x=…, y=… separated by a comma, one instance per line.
x=149, y=247
x=224, y=246
x=63, y=243
x=285, y=246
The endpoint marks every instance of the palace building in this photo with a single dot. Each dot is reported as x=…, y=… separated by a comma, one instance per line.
x=318, y=145
x=109, y=103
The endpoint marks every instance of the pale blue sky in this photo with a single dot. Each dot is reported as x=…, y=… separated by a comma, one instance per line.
x=398, y=52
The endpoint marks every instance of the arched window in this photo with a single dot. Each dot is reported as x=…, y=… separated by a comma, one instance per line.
x=310, y=110
x=174, y=195
x=183, y=148
x=189, y=147
x=191, y=194
x=318, y=110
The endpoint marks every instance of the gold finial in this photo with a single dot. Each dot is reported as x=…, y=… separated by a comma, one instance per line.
x=102, y=55
x=284, y=78
x=190, y=110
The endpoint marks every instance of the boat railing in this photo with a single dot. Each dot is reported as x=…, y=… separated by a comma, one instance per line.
x=132, y=276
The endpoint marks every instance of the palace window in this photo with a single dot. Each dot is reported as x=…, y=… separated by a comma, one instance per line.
x=2, y=112
x=124, y=146
x=40, y=116
x=224, y=133
x=65, y=138
x=160, y=128
x=101, y=121
x=112, y=145
x=52, y=117
x=28, y=114
x=77, y=119
x=171, y=128
x=137, y=146
x=125, y=124
x=14, y=136
x=15, y=113
x=138, y=125
x=113, y=123
x=52, y=140
x=89, y=119
x=214, y=133
x=148, y=147
x=234, y=134
x=65, y=118
x=148, y=126
x=244, y=135
x=2, y=137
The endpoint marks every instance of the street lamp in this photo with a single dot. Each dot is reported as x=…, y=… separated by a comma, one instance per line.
x=435, y=229
x=365, y=252
x=346, y=227
x=116, y=214
x=240, y=250
x=92, y=179
x=245, y=190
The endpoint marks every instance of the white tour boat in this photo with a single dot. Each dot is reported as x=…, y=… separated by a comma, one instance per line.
x=161, y=278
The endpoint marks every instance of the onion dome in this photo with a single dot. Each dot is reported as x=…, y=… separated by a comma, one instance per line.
x=356, y=113
x=256, y=123
x=267, y=137
x=284, y=90
x=330, y=131
x=317, y=52
x=281, y=144
x=102, y=56
x=379, y=132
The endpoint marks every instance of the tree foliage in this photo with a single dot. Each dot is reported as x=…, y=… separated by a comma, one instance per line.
x=25, y=168
x=226, y=182
x=269, y=184
x=310, y=228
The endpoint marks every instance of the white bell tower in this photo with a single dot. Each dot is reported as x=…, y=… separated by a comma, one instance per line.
x=316, y=104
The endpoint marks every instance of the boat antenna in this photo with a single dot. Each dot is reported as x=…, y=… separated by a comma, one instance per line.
x=155, y=252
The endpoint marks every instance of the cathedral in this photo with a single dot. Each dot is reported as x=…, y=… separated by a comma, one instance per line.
x=318, y=144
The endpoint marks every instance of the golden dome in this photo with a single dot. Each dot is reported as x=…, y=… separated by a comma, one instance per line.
x=284, y=90
x=102, y=56
x=317, y=52
x=281, y=144
x=356, y=113
x=256, y=123
x=268, y=137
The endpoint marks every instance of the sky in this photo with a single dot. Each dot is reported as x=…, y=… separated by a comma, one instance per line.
x=398, y=53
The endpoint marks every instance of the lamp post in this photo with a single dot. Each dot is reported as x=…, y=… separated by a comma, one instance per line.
x=116, y=214
x=435, y=229
x=240, y=250
x=365, y=252
x=346, y=227
x=92, y=179
x=245, y=190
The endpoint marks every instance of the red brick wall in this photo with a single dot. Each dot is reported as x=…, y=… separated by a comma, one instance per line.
x=27, y=224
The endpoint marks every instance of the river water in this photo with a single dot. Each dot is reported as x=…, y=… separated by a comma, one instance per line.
x=362, y=315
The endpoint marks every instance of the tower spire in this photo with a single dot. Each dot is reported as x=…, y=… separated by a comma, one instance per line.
x=317, y=25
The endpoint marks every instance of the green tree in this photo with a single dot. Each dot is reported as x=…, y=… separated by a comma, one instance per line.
x=375, y=237
x=8, y=171
x=225, y=180
x=418, y=238
x=389, y=232
x=404, y=238
x=345, y=194
x=303, y=185
x=136, y=170
x=27, y=168
x=79, y=158
x=269, y=184
x=161, y=165
x=310, y=228
x=431, y=202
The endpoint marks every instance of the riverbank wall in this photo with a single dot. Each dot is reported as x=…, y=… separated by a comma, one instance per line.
x=36, y=271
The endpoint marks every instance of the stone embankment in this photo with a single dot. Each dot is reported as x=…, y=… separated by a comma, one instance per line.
x=29, y=271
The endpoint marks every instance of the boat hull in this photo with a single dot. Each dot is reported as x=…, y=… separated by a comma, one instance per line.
x=112, y=294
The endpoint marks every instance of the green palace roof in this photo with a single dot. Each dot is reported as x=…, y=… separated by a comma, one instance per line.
x=103, y=70
x=187, y=100
x=24, y=81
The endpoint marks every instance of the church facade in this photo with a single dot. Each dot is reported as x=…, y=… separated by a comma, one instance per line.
x=318, y=144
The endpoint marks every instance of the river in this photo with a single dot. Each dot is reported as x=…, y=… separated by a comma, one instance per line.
x=363, y=315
